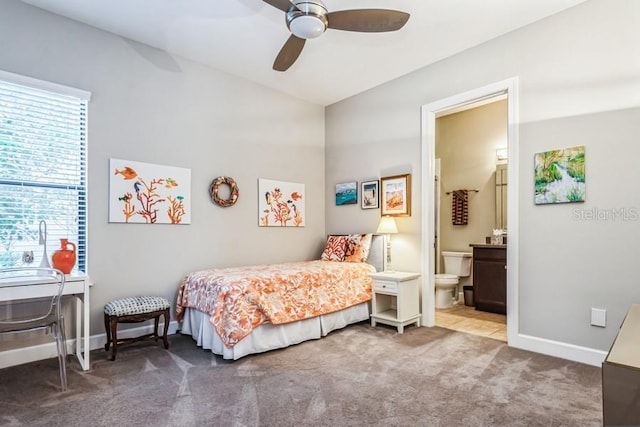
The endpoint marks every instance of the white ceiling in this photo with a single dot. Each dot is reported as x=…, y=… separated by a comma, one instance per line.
x=243, y=37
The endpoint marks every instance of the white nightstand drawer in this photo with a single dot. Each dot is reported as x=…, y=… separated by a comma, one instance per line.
x=385, y=286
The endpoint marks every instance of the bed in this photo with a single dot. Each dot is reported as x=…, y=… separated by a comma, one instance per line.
x=239, y=311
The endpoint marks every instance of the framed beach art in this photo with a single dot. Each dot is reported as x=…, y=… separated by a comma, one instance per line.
x=370, y=194
x=560, y=176
x=395, y=195
x=347, y=193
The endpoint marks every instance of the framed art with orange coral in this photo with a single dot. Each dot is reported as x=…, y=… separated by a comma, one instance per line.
x=280, y=204
x=395, y=195
x=145, y=193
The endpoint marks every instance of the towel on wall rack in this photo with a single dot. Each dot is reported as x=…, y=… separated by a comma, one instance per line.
x=460, y=207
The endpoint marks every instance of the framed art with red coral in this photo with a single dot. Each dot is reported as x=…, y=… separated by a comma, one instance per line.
x=281, y=203
x=395, y=195
x=147, y=193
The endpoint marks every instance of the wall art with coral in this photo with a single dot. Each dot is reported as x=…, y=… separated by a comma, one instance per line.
x=280, y=204
x=149, y=194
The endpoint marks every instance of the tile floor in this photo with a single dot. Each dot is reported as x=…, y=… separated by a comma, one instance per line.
x=467, y=319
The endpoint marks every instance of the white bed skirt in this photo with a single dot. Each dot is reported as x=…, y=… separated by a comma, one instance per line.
x=266, y=336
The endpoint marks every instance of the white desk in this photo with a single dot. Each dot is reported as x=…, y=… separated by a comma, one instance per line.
x=76, y=285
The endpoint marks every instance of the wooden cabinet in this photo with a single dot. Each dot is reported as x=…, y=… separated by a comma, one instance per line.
x=621, y=374
x=490, y=278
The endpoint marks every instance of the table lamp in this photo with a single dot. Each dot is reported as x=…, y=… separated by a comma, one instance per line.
x=42, y=240
x=387, y=226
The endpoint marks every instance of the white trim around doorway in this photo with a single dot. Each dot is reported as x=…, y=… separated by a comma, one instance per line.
x=430, y=111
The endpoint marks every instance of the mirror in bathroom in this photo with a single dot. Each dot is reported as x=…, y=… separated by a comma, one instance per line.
x=501, y=196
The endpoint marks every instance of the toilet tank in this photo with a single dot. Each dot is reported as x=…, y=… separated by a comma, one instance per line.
x=458, y=263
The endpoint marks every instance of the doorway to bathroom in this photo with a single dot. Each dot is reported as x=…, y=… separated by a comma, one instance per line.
x=468, y=201
x=466, y=142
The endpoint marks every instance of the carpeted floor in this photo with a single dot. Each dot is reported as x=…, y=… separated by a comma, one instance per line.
x=354, y=377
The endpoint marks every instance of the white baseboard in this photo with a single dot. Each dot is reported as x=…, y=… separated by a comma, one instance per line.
x=98, y=341
x=559, y=349
x=22, y=355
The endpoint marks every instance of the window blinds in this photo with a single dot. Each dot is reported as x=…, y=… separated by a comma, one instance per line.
x=43, y=169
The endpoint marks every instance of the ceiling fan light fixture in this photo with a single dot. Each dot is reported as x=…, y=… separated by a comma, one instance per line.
x=307, y=27
x=307, y=19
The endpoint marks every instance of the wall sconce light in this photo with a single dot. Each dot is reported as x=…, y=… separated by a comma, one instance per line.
x=387, y=226
x=502, y=153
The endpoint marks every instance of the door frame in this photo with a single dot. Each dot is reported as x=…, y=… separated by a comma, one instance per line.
x=429, y=114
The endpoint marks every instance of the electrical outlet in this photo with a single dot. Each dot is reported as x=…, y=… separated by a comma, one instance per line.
x=598, y=317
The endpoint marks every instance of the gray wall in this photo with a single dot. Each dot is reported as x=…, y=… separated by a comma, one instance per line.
x=579, y=74
x=151, y=107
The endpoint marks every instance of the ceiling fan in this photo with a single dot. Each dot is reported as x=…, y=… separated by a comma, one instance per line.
x=308, y=19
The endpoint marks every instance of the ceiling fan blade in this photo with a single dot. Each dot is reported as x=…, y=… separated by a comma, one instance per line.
x=289, y=53
x=283, y=5
x=367, y=20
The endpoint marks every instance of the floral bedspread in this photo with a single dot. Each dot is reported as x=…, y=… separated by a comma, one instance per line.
x=241, y=298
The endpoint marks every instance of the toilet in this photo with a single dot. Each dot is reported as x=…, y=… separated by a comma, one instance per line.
x=457, y=267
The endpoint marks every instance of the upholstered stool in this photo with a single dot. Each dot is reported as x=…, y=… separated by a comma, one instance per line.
x=134, y=310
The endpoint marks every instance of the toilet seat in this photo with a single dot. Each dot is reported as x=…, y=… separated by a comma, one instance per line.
x=446, y=279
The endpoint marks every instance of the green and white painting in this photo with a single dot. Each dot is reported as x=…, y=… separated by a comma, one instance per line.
x=560, y=176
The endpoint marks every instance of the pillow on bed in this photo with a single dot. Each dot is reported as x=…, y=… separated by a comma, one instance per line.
x=335, y=249
x=358, y=246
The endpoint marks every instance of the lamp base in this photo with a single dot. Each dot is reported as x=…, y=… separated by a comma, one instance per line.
x=44, y=263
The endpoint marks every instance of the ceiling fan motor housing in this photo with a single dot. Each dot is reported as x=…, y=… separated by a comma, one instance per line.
x=307, y=19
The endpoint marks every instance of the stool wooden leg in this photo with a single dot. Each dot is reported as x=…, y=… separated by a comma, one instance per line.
x=156, y=321
x=165, y=339
x=106, y=327
x=114, y=334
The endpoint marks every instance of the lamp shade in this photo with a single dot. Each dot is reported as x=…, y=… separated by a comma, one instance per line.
x=387, y=225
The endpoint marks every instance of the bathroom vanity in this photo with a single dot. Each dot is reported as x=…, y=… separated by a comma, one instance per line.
x=490, y=277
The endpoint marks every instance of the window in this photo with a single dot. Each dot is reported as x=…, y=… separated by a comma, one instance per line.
x=43, y=170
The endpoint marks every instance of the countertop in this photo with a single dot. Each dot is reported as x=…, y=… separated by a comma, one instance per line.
x=485, y=245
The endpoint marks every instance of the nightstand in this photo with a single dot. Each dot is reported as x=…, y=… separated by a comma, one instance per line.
x=396, y=299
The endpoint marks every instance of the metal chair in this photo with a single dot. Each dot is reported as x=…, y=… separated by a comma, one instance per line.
x=43, y=313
